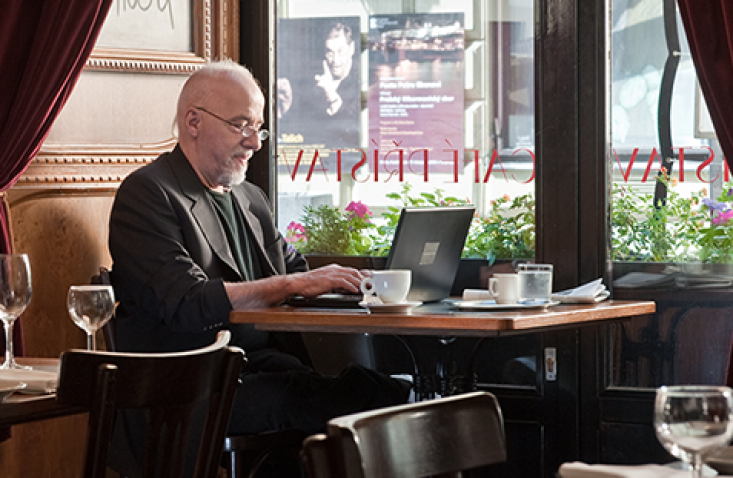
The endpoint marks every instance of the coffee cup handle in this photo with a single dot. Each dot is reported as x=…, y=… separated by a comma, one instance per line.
x=493, y=284
x=367, y=286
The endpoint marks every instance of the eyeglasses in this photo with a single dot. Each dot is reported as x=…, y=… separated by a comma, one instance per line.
x=245, y=129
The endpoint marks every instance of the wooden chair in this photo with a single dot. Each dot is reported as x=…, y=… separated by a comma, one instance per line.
x=243, y=455
x=171, y=387
x=440, y=437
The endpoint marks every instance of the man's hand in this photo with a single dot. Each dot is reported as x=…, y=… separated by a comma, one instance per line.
x=329, y=85
x=326, y=279
x=273, y=290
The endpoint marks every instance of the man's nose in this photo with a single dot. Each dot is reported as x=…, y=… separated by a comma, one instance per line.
x=252, y=142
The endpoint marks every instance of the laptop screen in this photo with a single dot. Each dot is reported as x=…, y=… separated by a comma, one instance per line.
x=429, y=242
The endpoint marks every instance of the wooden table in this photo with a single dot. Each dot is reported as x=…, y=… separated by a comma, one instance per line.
x=23, y=408
x=440, y=319
x=431, y=377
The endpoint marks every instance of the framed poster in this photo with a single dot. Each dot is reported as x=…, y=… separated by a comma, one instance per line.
x=318, y=73
x=166, y=36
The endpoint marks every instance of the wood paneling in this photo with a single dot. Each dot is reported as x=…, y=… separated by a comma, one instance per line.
x=117, y=119
x=64, y=232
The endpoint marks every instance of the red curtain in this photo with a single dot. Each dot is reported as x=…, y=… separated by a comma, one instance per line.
x=44, y=45
x=709, y=28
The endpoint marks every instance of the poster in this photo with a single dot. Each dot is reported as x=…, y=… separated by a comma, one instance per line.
x=415, y=97
x=318, y=89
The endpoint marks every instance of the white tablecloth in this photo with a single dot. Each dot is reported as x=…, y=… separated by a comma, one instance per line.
x=583, y=470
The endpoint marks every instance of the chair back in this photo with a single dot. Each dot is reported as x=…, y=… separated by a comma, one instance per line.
x=438, y=437
x=171, y=387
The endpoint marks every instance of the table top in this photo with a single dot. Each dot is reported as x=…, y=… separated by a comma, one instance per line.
x=23, y=408
x=440, y=319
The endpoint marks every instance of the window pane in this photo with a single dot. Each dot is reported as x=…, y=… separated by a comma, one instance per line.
x=377, y=98
x=653, y=222
x=662, y=236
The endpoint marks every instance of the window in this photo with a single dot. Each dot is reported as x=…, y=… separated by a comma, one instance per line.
x=659, y=120
x=378, y=97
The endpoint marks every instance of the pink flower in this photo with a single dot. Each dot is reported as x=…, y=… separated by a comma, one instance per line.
x=723, y=218
x=295, y=233
x=295, y=227
x=359, y=208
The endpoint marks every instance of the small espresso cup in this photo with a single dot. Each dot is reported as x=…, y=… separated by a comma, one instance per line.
x=504, y=288
x=535, y=282
x=390, y=286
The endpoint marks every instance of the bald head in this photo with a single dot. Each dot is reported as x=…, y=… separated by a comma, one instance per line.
x=206, y=82
x=218, y=104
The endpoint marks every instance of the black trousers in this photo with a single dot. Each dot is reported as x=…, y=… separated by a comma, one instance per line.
x=278, y=392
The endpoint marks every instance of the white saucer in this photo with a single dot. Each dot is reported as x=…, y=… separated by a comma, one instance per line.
x=404, y=307
x=492, y=305
x=7, y=387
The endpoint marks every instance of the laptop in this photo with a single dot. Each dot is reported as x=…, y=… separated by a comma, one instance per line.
x=428, y=241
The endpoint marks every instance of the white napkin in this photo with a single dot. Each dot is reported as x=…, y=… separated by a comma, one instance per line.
x=476, y=294
x=581, y=470
x=37, y=381
x=593, y=291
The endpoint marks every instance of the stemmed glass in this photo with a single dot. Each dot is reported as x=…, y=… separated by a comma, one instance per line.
x=90, y=307
x=15, y=295
x=694, y=421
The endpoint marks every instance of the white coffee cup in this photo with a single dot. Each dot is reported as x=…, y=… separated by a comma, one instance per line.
x=390, y=286
x=504, y=288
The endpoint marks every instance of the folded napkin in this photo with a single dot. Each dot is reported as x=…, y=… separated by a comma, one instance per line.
x=582, y=470
x=37, y=381
x=591, y=292
x=476, y=294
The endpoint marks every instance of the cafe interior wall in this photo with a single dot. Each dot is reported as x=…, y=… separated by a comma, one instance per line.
x=59, y=212
x=118, y=118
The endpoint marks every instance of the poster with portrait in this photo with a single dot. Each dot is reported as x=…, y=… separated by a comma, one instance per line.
x=415, y=95
x=318, y=104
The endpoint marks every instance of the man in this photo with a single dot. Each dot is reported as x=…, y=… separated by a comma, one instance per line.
x=191, y=239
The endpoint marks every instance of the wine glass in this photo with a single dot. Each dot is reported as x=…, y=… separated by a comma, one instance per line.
x=90, y=307
x=15, y=295
x=694, y=421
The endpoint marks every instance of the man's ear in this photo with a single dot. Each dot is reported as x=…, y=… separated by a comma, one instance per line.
x=191, y=122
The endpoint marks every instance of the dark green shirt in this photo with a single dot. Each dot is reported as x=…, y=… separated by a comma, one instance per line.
x=238, y=237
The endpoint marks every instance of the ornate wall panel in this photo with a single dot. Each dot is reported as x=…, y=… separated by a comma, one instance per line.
x=118, y=118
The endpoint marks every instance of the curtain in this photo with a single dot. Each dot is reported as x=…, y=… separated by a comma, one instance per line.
x=44, y=45
x=709, y=28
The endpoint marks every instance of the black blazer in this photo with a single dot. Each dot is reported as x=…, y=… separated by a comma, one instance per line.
x=170, y=256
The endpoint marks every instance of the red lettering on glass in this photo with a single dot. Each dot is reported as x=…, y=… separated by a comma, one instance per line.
x=533, y=165
x=425, y=161
x=476, y=165
x=297, y=163
x=649, y=164
x=495, y=158
x=704, y=165
x=626, y=173
x=316, y=158
x=455, y=163
x=400, y=165
x=338, y=164
x=681, y=173
x=358, y=165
